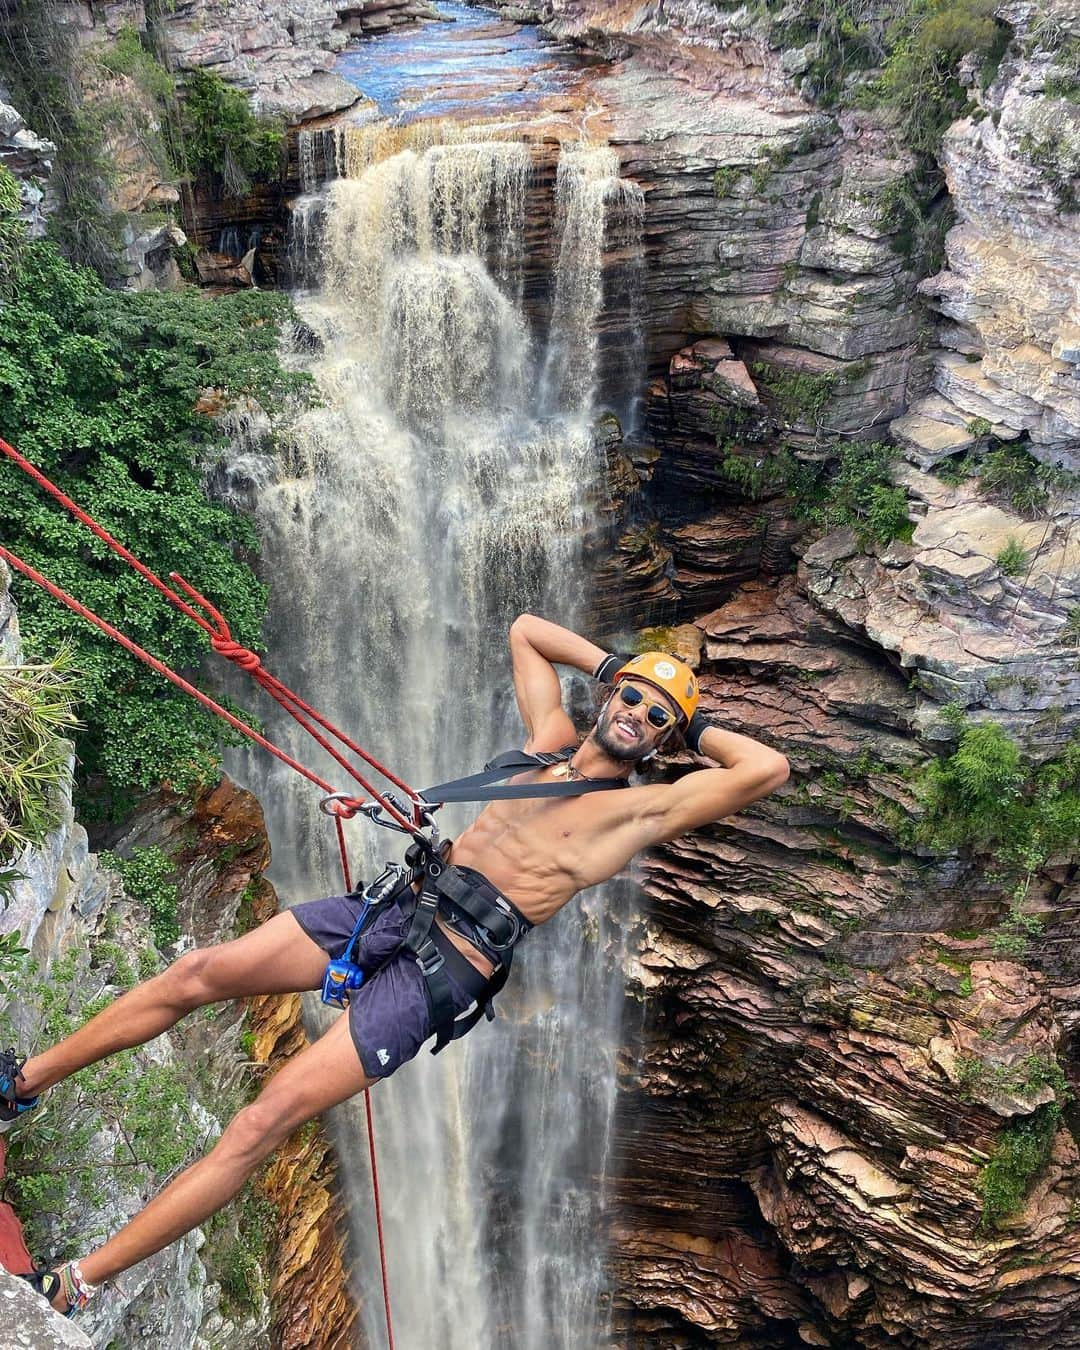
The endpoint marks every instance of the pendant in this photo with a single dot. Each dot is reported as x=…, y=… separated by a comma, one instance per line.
x=561, y=770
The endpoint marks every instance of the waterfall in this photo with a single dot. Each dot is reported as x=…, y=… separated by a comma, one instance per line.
x=590, y=198
x=430, y=496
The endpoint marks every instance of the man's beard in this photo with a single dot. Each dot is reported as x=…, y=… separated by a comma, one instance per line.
x=613, y=748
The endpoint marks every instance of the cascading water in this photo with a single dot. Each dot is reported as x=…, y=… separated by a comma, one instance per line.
x=411, y=515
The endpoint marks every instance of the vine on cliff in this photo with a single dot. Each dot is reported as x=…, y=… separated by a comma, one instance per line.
x=222, y=139
x=39, y=66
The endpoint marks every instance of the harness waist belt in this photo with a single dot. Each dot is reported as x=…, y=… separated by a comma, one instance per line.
x=470, y=892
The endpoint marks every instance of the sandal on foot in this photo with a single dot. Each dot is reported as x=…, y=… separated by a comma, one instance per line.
x=12, y=1106
x=65, y=1280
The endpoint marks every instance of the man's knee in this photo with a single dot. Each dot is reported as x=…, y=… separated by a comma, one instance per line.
x=257, y=1130
x=193, y=979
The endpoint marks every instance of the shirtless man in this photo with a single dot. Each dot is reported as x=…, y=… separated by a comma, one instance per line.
x=538, y=853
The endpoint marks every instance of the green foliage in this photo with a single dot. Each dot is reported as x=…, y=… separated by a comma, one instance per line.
x=725, y=179
x=967, y=796
x=798, y=396
x=980, y=427
x=1055, y=156
x=983, y=798
x=917, y=48
x=1012, y=937
x=1013, y=557
x=12, y=232
x=1070, y=631
x=37, y=709
x=12, y=957
x=39, y=65
x=147, y=876
x=222, y=139
x=851, y=486
x=238, y=1252
x=758, y=475
x=99, y=390
x=1022, y=1152
x=861, y=494
x=126, y=54
x=919, y=215
x=1023, y=482
x=125, y=1115
x=1030, y=1074
x=920, y=78
x=1064, y=79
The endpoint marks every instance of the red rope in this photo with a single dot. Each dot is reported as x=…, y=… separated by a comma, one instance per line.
x=221, y=640
x=378, y=1217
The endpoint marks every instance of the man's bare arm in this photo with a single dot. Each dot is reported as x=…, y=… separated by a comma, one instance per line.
x=536, y=646
x=749, y=770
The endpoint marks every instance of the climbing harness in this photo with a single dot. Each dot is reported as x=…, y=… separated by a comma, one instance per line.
x=438, y=886
x=458, y=894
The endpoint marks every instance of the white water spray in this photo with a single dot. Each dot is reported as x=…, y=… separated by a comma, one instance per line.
x=413, y=513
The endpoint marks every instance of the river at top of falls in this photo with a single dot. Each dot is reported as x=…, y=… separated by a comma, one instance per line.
x=442, y=484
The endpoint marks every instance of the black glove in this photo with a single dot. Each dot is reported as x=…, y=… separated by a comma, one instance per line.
x=695, y=729
x=605, y=671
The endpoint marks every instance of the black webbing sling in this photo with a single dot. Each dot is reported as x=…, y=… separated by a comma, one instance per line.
x=475, y=787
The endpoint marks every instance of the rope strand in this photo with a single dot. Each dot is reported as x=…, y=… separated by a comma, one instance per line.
x=222, y=642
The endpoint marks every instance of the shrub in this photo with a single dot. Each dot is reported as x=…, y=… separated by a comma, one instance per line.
x=99, y=389
x=1012, y=558
x=127, y=55
x=147, y=876
x=861, y=494
x=222, y=139
x=56, y=1167
x=37, y=709
x=985, y=799
x=1022, y=1151
x=1025, y=483
x=799, y=397
x=920, y=80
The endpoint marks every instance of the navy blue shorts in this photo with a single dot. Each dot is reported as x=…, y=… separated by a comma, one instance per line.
x=388, y=1015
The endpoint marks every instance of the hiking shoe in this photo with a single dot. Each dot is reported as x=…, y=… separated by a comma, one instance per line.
x=66, y=1281
x=12, y=1106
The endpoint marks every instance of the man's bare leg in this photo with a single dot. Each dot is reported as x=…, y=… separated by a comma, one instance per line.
x=323, y=1075
x=278, y=957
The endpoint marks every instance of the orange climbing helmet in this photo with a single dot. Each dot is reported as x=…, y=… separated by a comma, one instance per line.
x=666, y=673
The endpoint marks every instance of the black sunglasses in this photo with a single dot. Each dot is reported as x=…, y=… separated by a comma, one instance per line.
x=657, y=716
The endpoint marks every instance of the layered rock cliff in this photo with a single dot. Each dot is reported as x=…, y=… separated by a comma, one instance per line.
x=840, y=1053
